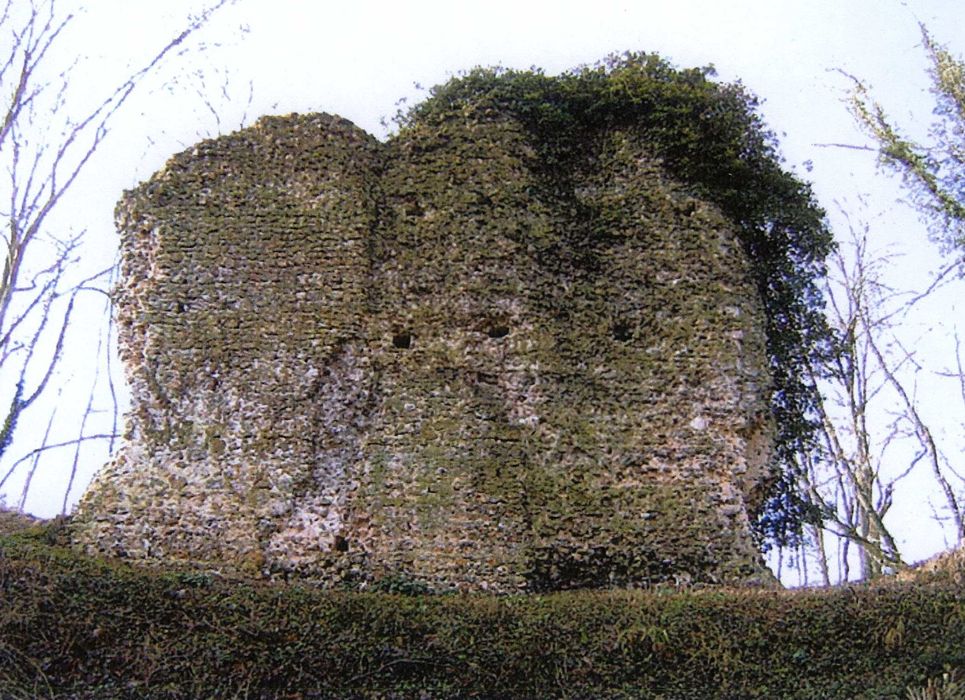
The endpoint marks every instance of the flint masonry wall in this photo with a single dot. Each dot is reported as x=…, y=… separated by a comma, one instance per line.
x=434, y=360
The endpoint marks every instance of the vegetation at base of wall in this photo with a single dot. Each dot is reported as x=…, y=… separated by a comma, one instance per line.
x=76, y=627
x=709, y=136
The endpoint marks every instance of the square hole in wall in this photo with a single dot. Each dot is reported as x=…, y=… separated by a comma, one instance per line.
x=622, y=331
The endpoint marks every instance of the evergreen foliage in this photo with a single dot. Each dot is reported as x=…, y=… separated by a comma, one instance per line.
x=933, y=169
x=711, y=138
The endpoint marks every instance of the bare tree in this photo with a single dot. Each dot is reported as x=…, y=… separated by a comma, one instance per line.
x=873, y=427
x=47, y=140
x=873, y=433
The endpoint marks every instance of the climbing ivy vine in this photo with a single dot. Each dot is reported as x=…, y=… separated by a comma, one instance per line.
x=710, y=137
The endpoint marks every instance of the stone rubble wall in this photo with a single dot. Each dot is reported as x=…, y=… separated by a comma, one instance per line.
x=434, y=360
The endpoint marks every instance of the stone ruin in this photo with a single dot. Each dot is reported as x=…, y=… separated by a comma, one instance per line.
x=358, y=362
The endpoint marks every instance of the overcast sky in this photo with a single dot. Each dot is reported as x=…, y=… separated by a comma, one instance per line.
x=357, y=59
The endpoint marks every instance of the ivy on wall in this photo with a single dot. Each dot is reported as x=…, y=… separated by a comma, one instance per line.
x=711, y=138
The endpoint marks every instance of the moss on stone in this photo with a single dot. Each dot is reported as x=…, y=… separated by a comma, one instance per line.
x=462, y=357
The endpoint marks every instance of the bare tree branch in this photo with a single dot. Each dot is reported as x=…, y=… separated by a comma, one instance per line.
x=53, y=446
x=46, y=142
x=856, y=482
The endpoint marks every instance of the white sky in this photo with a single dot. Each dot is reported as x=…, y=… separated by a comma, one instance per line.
x=358, y=58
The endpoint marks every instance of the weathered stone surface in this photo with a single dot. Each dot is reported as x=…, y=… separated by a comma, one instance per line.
x=433, y=361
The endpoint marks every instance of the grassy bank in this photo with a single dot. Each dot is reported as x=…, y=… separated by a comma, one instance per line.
x=74, y=627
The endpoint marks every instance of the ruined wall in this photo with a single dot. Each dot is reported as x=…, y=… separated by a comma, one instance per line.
x=435, y=360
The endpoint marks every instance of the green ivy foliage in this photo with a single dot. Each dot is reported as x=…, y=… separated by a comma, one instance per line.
x=711, y=138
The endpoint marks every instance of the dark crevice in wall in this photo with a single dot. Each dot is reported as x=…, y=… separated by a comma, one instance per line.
x=622, y=331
